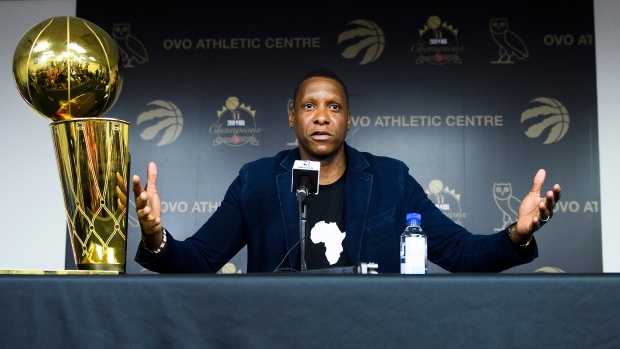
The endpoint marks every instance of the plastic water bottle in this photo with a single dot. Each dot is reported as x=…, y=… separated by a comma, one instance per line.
x=413, y=247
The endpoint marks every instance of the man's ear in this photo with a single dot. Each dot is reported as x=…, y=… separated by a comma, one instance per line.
x=348, y=120
x=291, y=116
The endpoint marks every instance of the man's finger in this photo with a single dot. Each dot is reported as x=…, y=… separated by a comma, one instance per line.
x=551, y=199
x=136, y=186
x=557, y=192
x=151, y=177
x=144, y=213
x=545, y=209
x=539, y=180
x=141, y=200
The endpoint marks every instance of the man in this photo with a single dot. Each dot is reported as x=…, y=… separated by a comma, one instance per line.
x=362, y=205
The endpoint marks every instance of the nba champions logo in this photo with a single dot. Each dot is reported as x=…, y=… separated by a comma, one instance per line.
x=447, y=200
x=438, y=43
x=236, y=124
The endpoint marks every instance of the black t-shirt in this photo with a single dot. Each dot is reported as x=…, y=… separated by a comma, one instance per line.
x=326, y=245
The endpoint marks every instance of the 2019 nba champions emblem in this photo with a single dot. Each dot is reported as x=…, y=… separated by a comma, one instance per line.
x=236, y=124
x=438, y=43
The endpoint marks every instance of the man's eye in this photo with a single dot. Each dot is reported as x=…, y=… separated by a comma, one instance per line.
x=307, y=105
x=334, y=107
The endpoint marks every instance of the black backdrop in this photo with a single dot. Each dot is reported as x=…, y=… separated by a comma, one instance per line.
x=472, y=109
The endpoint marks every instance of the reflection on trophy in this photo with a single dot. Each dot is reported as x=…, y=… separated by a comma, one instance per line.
x=69, y=70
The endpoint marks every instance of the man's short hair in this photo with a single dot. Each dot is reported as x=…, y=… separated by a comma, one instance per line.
x=322, y=73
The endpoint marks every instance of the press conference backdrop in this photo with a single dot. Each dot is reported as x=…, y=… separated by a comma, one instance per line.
x=474, y=97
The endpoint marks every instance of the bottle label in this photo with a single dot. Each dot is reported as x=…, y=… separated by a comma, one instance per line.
x=413, y=255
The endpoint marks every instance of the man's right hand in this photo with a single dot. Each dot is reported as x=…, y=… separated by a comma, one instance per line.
x=148, y=207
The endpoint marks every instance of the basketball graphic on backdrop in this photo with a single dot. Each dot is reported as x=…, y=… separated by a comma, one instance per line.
x=229, y=268
x=433, y=22
x=548, y=117
x=549, y=270
x=232, y=103
x=164, y=122
x=435, y=186
x=365, y=36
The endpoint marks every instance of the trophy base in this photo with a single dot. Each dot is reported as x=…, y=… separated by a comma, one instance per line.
x=56, y=272
x=120, y=268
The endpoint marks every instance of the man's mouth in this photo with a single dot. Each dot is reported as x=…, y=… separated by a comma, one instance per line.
x=320, y=136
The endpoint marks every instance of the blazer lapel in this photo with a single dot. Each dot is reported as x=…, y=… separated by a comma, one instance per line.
x=289, y=207
x=357, y=188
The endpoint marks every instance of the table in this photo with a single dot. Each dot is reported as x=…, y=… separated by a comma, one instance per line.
x=303, y=311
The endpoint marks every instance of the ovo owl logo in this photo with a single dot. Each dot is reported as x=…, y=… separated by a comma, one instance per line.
x=549, y=117
x=132, y=50
x=164, y=118
x=364, y=36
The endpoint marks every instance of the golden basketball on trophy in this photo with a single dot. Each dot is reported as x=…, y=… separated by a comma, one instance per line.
x=69, y=71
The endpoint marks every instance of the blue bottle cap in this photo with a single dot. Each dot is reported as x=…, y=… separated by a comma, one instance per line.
x=414, y=216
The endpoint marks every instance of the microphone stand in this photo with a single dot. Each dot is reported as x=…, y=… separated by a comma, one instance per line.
x=303, y=217
x=302, y=195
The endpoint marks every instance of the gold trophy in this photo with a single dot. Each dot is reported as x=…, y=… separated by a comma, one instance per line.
x=70, y=71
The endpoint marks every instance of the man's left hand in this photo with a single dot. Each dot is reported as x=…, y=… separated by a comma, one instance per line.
x=535, y=211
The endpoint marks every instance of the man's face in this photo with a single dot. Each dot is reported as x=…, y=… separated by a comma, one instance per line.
x=320, y=117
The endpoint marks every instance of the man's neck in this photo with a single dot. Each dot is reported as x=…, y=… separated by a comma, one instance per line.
x=333, y=168
x=330, y=173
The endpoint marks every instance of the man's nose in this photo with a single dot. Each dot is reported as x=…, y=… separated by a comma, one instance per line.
x=322, y=116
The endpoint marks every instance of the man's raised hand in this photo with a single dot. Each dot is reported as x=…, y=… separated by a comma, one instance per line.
x=148, y=207
x=534, y=210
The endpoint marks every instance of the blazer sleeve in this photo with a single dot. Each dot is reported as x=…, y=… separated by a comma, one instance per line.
x=454, y=248
x=212, y=246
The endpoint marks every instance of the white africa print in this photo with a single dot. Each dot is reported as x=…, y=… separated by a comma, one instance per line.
x=331, y=236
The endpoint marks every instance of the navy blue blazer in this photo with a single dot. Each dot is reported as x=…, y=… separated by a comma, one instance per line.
x=260, y=210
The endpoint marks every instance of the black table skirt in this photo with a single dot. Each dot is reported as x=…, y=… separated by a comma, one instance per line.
x=310, y=311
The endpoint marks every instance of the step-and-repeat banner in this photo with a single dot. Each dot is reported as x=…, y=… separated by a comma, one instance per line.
x=474, y=96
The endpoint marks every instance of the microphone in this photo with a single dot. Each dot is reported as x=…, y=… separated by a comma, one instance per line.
x=302, y=191
x=305, y=181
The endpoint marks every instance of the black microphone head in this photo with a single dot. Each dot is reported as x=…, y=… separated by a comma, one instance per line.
x=303, y=182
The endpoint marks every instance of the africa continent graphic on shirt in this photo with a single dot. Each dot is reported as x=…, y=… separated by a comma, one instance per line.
x=331, y=236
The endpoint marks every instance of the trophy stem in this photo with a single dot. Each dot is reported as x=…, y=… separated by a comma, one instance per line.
x=93, y=164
